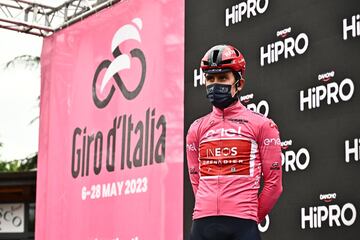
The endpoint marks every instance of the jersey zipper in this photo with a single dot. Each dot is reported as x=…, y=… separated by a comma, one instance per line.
x=217, y=202
x=218, y=178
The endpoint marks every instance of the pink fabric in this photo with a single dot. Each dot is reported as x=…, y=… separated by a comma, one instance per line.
x=227, y=152
x=149, y=208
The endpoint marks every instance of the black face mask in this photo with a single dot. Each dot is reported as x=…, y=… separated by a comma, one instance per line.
x=219, y=95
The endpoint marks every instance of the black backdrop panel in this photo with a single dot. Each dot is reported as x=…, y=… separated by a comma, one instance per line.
x=303, y=71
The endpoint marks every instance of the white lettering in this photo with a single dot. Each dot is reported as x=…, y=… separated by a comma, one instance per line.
x=262, y=107
x=332, y=92
x=249, y=9
x=221, y=132
x=322, y=214
x=354, y=150
x=217, y=152
x=328, y=196
x=294, y=161
x=198, y=77
x=246, y=98
x=326, y=76
x=354, y=27
x=273, y=141
x=283, y=32
x=307, y=218
x=352, y=208
x=333, y=213
x=263, y=228
x=288, y=47
x=286, y=143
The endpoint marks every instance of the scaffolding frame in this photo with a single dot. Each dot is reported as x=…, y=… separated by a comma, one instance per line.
x=42, y=20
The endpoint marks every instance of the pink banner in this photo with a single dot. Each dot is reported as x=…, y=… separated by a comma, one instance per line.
x=111, y=126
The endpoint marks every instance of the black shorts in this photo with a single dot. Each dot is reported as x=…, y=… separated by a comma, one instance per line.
x=224, y=228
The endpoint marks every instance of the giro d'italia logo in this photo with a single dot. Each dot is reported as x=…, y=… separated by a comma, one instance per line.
x=121, y=61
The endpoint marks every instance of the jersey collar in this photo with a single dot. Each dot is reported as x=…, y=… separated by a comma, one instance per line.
x=232, y=110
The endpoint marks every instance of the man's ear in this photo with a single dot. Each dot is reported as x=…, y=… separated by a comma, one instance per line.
x=241, y=84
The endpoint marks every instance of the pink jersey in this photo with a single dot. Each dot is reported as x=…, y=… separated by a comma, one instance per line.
x=227, y=152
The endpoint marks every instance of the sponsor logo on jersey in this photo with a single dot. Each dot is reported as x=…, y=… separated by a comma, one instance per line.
x=239, y=120
x=193, y=170
x=275, y=166
x=226, y=157
x=191, y=147
x=223, y=132
x=272, y=141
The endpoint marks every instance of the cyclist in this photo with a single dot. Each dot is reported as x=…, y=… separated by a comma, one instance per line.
x=228, y=151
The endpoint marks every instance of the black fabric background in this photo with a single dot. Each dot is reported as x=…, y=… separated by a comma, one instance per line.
x=322, y=131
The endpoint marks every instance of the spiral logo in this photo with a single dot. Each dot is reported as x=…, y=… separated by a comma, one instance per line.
x=121, y=61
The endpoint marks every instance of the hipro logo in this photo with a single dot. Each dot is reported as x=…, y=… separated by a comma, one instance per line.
x=121, y=62
x=354, y=27
x=288, y=47
x=334, y=215
x=247, y=8
x=292, y=160
x=353, y=150
x=332, y=92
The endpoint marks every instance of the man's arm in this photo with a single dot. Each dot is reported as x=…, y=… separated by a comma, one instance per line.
x=270, y=154
x=192, y=154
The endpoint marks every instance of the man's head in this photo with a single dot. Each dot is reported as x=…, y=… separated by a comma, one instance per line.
x=224, y=68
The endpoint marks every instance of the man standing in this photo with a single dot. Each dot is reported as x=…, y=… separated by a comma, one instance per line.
x=228, y=151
